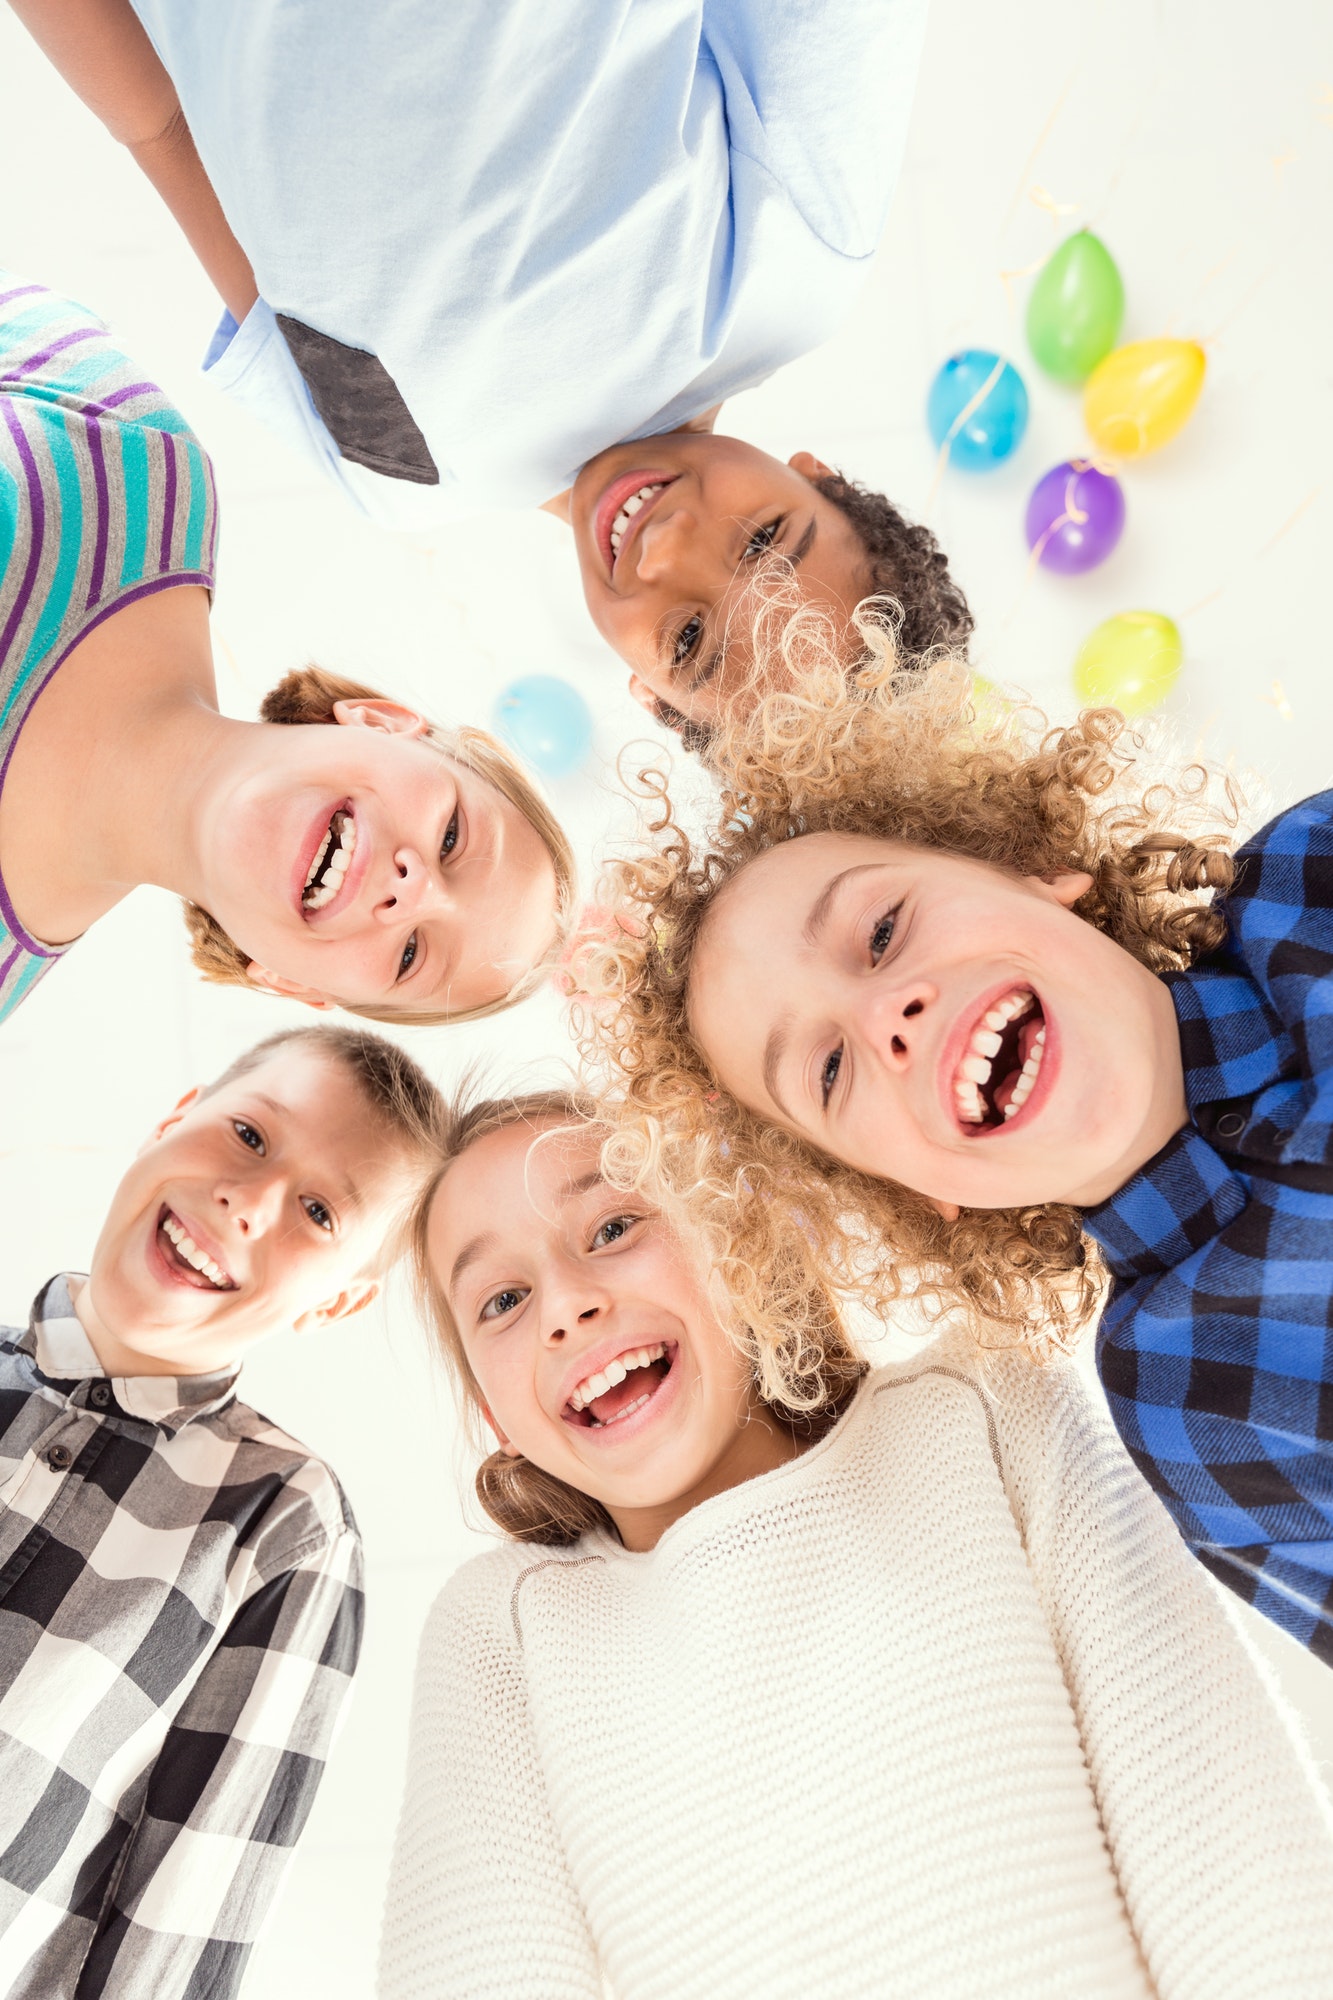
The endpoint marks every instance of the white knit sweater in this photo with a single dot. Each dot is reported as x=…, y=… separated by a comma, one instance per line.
x=942, y=1710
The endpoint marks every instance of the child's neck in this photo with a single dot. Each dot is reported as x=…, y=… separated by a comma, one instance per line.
x=118, y=1360
x=761, y=1445
x=103, y=784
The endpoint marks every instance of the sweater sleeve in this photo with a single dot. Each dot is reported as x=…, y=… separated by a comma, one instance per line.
x=1221, y=1835
x=481, y=1902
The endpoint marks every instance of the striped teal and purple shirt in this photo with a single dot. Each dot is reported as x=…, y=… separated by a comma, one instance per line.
x=105, y=496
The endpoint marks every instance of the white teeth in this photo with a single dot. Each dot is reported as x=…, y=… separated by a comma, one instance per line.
x=188, y=1249
x=615, y=1371
x=627, y=513
x=331, y=862
x=984, y=1045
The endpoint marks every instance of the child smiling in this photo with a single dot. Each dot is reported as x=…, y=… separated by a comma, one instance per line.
x=626, y=1761
x=180, y=1581
x=995, y=992
x=448, y=876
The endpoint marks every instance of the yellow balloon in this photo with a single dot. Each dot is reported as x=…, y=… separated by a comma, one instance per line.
x=1142, y=394
x=1131, y=662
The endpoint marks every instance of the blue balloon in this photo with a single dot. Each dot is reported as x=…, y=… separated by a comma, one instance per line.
x=978, y=407
x=547, y=722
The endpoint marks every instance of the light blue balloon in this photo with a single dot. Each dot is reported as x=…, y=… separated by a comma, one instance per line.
x=547, y=722
x=993, y=429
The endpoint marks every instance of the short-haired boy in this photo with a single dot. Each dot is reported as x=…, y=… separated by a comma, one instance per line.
x=180, y=1581
x=975, y=973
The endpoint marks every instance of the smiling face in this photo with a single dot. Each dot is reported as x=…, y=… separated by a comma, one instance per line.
x=668, y=532
x=589, y=1333
x=358, y=864
x=255, y=1208
x=937, y=1021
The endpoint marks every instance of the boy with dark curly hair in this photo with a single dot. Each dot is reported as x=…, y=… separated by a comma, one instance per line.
x=983, y=996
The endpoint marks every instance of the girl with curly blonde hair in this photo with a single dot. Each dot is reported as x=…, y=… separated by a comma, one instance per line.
x=955, y=1004
x=912, y=1690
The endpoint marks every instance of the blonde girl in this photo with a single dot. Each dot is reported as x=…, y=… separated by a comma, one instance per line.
x=894, y=1683
x=382, y=864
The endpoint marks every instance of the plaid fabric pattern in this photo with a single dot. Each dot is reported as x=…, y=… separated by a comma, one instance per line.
x=180, y=1618
x=1216, y=1350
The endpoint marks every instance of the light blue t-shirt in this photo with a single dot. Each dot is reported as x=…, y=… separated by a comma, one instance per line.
x=555, y=225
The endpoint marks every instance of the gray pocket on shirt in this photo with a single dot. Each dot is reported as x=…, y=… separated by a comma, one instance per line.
x=359, y=404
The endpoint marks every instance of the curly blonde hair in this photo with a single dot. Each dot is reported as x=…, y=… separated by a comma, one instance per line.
x=915, y=753
x=308, y=695
x=527, y=1503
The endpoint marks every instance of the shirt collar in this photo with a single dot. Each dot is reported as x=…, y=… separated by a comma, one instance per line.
x=63, y=1352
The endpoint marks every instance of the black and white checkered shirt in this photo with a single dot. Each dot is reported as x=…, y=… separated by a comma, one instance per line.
x=180, y=1618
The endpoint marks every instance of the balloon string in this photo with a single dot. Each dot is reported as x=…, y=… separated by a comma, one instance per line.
x=1042, y=137
x=969, y=409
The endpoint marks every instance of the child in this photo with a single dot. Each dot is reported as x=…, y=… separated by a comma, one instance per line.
x=180, y=1582
x=403, y=871
x=599, y=227
x=965, y=982
x=810, y=1684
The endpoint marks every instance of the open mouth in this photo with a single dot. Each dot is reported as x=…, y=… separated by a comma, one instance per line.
x=1000, y=1066
x=179, y=1250
x=332, y=859
x=620, y=506
x=620, y=1388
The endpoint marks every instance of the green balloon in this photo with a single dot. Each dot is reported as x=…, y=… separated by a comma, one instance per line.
x=1129, y=662
x=1076, y=307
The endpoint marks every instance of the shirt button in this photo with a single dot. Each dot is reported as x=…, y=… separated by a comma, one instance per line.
x=1230, y=1125
x=99, y=1395
x=60, y=1458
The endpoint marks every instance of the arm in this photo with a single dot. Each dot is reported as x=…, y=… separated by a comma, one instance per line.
x=230, y=1790
x=481, y=1901
x=104, y=54
x=1221, y=1836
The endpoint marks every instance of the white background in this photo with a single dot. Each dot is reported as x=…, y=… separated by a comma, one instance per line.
x=1198, y=139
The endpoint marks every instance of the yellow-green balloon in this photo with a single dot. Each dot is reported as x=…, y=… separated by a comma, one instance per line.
x=1076, y=307
x=1130, y=662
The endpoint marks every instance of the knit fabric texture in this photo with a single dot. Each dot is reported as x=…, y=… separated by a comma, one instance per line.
x=944, y=1707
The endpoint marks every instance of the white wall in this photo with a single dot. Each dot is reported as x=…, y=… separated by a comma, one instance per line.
x=1203, y=151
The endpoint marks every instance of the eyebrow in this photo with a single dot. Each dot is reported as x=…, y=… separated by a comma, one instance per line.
x=813, y=927
x=469, y=1255
x=775, y=1048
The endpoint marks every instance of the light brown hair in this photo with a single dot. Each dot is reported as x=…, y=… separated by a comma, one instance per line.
x=903, y=755
x=308, y=695
x=527, y=1503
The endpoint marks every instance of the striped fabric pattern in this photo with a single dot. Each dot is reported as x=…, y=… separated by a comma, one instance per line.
x=105, y=497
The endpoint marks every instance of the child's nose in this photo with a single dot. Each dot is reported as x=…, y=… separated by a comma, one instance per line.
x=894, y=1018
x=252, y=1205
x=409, y=889
x=665, y=543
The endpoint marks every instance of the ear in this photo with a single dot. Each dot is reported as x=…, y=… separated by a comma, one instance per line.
x=948, y=1209
x=1065, y=886
x=509, y=1450
x=705, y=421
x=289, y=989
x=809, y=466
x=354, y=1300
x=643, y=694
x=559, y=506
x=173, y=1117
x=391, y=716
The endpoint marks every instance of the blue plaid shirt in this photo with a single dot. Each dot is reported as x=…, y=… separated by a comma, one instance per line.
x=1216, y=1351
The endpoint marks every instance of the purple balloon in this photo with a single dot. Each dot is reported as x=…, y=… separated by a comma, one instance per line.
x=1075, y=517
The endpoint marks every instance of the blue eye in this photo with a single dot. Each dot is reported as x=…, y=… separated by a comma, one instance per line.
x=408, y=958
x=450, y=841
x=248, y=1135
x=318, y=1214
x=612, y=1230
x=881, y=936
x=828, y=1076
x=687, y=639
x=762, y=540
